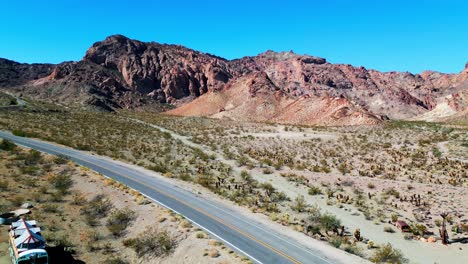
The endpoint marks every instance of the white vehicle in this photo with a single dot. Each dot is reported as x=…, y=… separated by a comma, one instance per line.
x=27, y=246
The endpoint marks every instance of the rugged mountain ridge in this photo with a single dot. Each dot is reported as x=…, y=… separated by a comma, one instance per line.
x=276, y=86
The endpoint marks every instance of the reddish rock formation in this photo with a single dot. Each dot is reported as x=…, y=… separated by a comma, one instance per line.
x=286, y=87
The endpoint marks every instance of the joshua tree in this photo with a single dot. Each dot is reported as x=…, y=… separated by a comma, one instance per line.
x=443, y=231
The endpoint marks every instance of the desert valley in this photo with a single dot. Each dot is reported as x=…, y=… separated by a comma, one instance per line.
x=352, y=164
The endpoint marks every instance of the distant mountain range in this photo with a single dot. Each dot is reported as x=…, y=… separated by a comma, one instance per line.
x=279, y=87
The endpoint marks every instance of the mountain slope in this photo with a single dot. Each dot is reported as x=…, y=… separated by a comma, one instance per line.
x=254, y=97
x=274, y=86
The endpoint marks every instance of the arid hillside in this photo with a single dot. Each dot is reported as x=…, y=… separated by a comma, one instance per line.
x=120, y=73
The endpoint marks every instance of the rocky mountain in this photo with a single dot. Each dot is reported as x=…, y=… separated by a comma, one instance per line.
x=274, y=86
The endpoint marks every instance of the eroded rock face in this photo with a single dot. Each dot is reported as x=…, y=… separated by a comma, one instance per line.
x=167, y=72
x=14, y=73
x=122, y=73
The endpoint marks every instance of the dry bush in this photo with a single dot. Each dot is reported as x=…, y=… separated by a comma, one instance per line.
x=387, y=254
x=119, y=220
x=152, y=243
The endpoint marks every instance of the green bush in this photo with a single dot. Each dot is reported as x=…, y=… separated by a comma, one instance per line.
x=418, y=229
x=7, y=145
x=388, y=254
x=314, y=190
x=19, y=133
x=329, y=222
x=335, y=241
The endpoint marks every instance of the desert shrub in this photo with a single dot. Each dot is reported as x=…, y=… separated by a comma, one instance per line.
x=98, y=207
x=89, y=239
x=33, y=157
x=184, y=176
x=299, y=204
x=4, y=185
x=387, y=254
x=335, y=241
x=269, y=189
x=314, y=190
x=17, y=200
x=62, y=182
x=19, y=133
x=4, y=208
x=7, y=145
x=78, y=199
x=393, y=192
x=50, y=208
x=370, y=185
x=389, y=229
x=119, y=220
x=159, y=167
x=201, y=235
x=56, y=197
x=61, y=159
x=353, y=249
x=418, y=229
x=31, y=170
x=329, y=222
x=115, y=260
x=153, y=243
x=436, y=152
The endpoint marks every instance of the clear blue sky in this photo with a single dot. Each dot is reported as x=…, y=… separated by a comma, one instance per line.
x=379, y=34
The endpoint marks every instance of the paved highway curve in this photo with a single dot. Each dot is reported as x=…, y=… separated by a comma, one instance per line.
x=258, y=242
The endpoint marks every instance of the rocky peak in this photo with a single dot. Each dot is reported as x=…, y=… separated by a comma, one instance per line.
x=166, y=72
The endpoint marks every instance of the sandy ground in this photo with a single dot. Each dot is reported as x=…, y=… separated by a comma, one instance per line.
x=416, y=251
x=326, y=249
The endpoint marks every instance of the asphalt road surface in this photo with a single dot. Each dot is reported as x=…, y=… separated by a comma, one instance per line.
x=258, y=242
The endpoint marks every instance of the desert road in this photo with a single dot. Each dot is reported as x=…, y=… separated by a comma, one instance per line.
x=258, y=242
